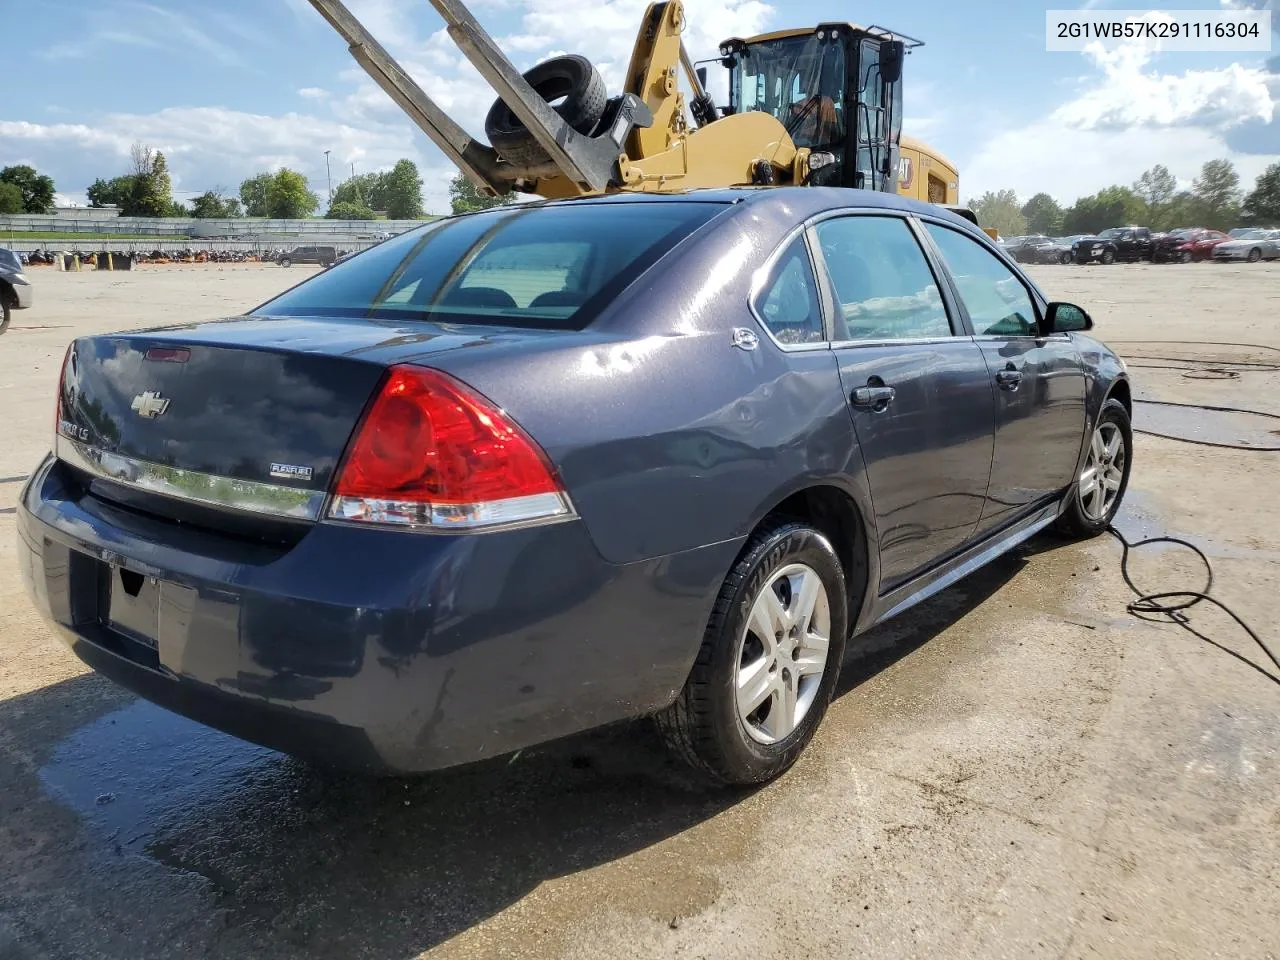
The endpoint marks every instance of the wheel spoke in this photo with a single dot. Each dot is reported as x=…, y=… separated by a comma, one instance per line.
x=768, y=619
x=1088, y=481
x=804, y=599
x=1113, y=445
x=811, y=654
x=1099, y=447
x=1098, y=501
x=755, y=684
x=782, y=712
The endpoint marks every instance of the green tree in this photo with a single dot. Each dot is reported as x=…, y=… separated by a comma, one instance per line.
x=1043, y=215
x=349, y=210
x=1109, y=207
x=213, y=205
x=1262, y=205
x=400, y=192
x=289, y=197
x=11, y=198
x=36, y=188
x=466, y=198
x=1001, y=211
x=153, y=188
x=1157, y=188
x=359, y=190
x=1217, y=193
x=253, y=194
x=118, y=192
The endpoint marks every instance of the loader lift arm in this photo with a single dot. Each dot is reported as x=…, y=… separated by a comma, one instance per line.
x=589, y=162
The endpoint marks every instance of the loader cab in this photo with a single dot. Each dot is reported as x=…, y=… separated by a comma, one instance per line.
x=837, y=88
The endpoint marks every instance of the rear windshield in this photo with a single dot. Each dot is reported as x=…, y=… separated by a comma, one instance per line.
x=551, y=267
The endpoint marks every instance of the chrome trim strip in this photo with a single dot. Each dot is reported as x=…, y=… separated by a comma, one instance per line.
x=967, y=565
x=227, y=493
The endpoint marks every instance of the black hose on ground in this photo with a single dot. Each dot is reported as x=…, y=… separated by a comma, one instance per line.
x=1172, y=604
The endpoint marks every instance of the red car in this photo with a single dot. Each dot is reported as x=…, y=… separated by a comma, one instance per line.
x=1199, y=245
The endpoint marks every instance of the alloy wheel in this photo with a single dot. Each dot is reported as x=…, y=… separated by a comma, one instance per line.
x=1103, y=473
x=782, y=655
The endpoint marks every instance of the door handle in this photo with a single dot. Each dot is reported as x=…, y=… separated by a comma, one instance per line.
x=1009, y=379
x=875, y=397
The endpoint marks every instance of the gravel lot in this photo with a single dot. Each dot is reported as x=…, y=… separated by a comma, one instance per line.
x=1015, y=769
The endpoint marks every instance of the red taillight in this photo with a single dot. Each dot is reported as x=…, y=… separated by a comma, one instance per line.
x=430, y=452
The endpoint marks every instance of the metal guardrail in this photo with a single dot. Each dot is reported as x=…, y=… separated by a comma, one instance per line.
x=192, y=227
x=146, y=245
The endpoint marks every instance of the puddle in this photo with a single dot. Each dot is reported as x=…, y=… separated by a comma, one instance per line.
x=140, y=767
x=1243, y=430
x=1139, y=520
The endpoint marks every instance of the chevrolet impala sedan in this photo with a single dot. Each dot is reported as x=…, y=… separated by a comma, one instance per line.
x=524, y=472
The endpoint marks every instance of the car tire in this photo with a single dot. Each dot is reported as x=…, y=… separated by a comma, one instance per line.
x=1091, y=507
x=711, y=726
x=6, y=312
x=572, y=80
x=1255, y=255
x=286, y=262
x=1108, y=257
x=1185, y=257
x=1064, y=258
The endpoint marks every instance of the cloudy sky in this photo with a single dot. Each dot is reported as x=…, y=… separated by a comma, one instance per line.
x=228, y=88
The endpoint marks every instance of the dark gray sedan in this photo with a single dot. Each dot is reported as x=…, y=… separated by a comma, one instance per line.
x=525, y=472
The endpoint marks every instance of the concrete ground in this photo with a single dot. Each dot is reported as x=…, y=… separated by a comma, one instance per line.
x=1016, y=768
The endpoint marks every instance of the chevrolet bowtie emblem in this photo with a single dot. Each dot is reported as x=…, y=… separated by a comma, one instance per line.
x=149, y=404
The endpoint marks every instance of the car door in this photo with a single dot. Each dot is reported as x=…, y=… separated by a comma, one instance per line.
x=1039, y=379
x=917, y=386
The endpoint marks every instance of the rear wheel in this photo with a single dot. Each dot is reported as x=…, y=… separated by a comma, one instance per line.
x=5, y=312
x=769, y=659
x=1099, y=490
x=1186, y=256
x=1255, y=255
x=286, y=262
x=575, y=89
x=1064, y=257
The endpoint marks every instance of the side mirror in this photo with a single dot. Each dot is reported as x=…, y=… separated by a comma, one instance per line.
x=892, y=53
x=702, y=76
x=1066, y=318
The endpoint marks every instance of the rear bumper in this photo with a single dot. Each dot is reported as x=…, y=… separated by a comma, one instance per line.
x=372, y=650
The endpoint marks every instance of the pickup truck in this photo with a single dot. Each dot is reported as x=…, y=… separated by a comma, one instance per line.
x=1126, y=244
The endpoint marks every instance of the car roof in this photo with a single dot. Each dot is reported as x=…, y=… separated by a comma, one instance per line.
x=797, y=201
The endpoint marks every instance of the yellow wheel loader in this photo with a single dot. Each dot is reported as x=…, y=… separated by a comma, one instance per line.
x=815, y=106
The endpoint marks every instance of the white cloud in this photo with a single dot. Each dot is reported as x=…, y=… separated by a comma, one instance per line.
x=1126, y=117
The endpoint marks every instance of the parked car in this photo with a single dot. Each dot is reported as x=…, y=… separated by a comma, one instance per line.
x=519, y=473
x=324, y=256
x=1125, y=244
x=1014, y=245
x=1250, y=245
x=1199, y=245
x=1045, y=250
x=15, y=288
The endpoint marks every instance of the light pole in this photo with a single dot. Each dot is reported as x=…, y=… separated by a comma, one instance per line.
x=328, y=176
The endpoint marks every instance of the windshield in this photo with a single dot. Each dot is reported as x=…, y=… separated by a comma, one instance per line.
x=799, y=80
x=552, y=267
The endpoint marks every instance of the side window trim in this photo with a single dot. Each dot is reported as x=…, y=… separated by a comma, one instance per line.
x=1038, y=302
x=764, y=274
x=951, y=304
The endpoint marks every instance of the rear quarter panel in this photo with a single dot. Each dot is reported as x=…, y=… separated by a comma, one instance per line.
x=667, y=436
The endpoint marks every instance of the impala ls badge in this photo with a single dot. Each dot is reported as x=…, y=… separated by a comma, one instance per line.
x=149, y=404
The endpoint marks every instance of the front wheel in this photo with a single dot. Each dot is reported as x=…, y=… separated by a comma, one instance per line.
x=1255, y=255
x=5, y=312
x=1186, y=256
x=1108, y=257
x=1099, y=489
x=769, y=659
x=286, y=262
x=1064, y=258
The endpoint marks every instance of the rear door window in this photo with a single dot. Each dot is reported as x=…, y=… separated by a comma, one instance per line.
x=787, y=302
x=552, y=267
